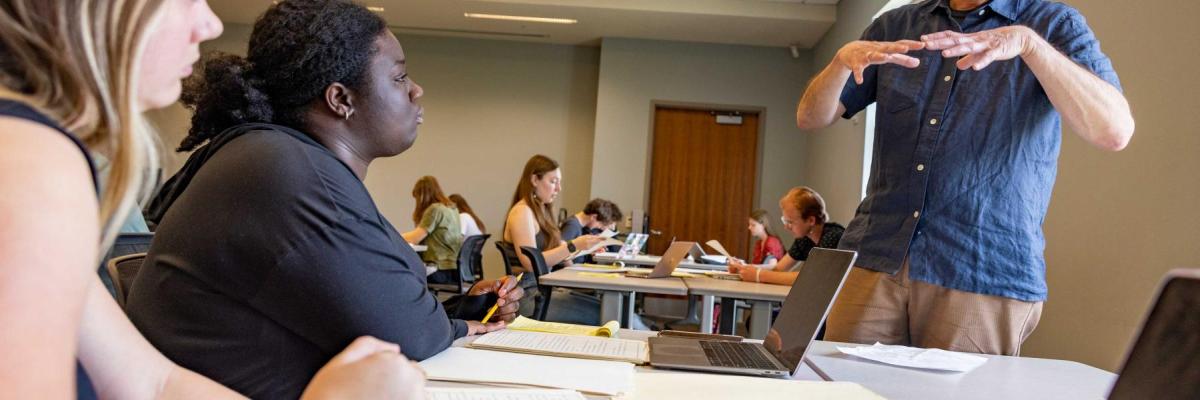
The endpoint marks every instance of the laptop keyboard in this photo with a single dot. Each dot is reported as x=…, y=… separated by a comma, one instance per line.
x=735, y=354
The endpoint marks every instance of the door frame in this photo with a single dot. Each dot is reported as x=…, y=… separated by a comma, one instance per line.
x=760, y=131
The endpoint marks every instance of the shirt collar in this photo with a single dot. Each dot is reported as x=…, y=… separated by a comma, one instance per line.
x=1005, y=8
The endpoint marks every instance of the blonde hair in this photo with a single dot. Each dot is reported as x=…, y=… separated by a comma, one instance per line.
x=77, y=62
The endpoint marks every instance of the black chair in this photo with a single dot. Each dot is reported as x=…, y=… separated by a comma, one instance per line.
x=509, y=255
x=470, y=266
x=539, y=268
x=124, y=269
x=125, y=244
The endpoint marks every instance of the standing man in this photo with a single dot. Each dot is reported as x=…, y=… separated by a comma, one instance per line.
x=970, y=95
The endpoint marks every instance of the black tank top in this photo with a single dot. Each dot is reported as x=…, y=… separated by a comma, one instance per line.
x=9, y=108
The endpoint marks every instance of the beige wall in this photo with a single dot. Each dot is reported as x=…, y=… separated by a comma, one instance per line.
x=835, y=154
x=635, y=73
x=489, y=106
x=1117, y=221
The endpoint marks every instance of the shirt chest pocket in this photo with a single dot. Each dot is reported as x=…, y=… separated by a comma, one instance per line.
x=900, y=88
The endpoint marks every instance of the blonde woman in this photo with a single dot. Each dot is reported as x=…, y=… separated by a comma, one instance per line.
x=75, y=78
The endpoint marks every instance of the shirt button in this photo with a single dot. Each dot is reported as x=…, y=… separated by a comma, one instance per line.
x=920, y=167
x=947, y=78
x=916, y=214
x=933, y=121
x=981, y=12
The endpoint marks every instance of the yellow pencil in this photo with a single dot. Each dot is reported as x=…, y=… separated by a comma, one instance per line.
x=497, y=305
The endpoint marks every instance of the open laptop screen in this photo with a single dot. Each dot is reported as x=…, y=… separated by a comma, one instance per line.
x=807, y=304
x=1164, y=362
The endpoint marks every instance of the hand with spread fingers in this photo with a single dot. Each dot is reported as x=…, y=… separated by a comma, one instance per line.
x=980, y=49
x=858, y=55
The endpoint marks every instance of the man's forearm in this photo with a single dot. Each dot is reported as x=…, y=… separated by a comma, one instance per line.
x=1092, y=107
x=821, y=103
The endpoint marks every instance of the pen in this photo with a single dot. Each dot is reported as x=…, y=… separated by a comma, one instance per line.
x=497, y=305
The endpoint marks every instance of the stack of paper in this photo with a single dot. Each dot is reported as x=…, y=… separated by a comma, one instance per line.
x=688, y=386
x=609, y=329
x=500, y=394
x=552, y=344
x=457, y=364
x=913, y=357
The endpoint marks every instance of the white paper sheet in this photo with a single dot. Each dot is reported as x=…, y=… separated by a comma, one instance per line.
x=500, y=394
x=912, y=357
x=564, y=345
x=719, y=248
x=692, y=386
x=457, y=364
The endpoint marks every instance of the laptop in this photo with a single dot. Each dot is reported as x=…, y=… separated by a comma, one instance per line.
x=1164, y=361
x=806, y=306
x=667, y=264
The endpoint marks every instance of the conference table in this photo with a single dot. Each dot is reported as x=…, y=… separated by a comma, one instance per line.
x=614, y=288
x=760, y=295
x=1001, y=377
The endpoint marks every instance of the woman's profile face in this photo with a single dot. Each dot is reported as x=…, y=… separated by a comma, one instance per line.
x=172, y=47
x=756, y=229
x=547, y=187
x=388, y=112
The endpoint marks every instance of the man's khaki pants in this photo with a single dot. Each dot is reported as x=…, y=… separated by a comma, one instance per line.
x=892, y=309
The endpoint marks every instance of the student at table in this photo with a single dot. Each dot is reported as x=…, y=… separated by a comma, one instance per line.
x=270, y=255
x=437, y=227
x=530, y=222
x=597, y=216
x=805, y=217
x=768, y=249
x=470, y=223
x=58, y=219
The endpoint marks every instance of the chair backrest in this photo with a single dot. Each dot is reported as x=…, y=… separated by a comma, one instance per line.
x=125, y=244
x=470, y=257
x=539, y=263
x=124, y=269
x=509, y=255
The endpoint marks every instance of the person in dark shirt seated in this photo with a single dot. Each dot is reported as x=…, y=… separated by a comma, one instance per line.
x=270, y=255
x=805, y=217
x=597, y=215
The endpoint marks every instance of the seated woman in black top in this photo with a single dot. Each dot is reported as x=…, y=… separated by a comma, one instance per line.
x=530, y=223
x=804, y=215
x=270, y=254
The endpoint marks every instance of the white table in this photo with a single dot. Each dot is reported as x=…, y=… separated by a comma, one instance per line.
x=650, y=261
x=760, y=296
x=1001, y=377
x=614, y=289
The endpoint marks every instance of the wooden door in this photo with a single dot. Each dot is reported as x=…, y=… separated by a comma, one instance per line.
x=702, y=179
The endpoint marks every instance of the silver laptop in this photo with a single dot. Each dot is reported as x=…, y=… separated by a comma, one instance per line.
x=667, y=264
x=1164, y=361
x=779, y=355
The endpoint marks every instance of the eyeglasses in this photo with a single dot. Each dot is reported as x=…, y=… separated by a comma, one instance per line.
x=785, y=221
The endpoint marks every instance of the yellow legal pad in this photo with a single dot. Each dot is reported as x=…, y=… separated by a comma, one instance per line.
x=526, y=324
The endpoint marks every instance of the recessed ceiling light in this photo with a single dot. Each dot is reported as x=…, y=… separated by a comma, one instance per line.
x=375, y=8
x=520, y=18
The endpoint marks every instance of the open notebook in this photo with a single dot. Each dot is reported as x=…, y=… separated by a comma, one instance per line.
x=609, y=329
x=559, y=345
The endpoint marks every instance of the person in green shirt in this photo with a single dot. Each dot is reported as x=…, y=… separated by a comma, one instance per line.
x=437, y=228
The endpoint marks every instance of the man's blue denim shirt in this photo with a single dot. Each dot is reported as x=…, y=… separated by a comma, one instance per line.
x=964, y=161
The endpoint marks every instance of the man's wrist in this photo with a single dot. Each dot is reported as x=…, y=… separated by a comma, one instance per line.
x=1032, y=44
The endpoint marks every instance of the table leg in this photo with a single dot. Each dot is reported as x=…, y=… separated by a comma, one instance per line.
x=760, y=319
x=706, y=313
x=630, y=304
x=610, y=306
x=729, y=316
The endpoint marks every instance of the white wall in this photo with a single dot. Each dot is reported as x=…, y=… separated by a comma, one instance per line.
x=634, y=73
x=1117, y=221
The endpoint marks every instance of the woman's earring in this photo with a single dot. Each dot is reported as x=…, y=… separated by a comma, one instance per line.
x=348, y=114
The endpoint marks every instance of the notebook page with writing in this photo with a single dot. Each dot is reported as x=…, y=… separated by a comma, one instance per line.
x=458, y=364
x=500, y=394
x=590, y=347
x=609, y=329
